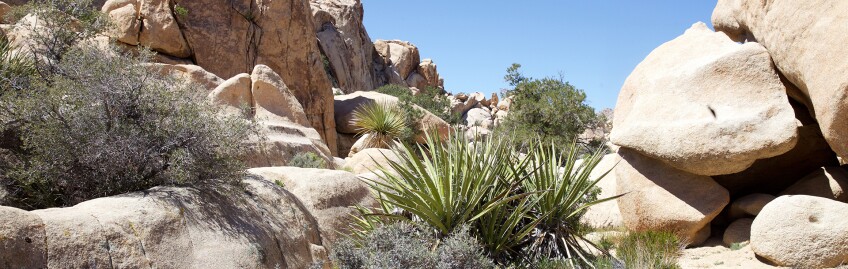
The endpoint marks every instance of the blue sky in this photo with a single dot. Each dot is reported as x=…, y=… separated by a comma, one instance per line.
x=594, y=44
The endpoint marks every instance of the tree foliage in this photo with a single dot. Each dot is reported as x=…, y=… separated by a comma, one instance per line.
x=550, y=109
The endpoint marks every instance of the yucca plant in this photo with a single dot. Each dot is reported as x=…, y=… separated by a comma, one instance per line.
x=453, y=184
x=382, y=121
x=563, y=189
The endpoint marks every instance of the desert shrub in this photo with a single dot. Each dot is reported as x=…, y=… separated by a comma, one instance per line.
x=92, y=122
x=549, y=109
x=308, y=160
x=402, y=245
x=382, y=122
x=520, y=209
x=649, y=249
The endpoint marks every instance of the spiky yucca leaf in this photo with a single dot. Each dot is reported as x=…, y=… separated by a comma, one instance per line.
x=382, y=121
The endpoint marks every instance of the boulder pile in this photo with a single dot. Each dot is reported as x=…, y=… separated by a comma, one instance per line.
x=739, y=132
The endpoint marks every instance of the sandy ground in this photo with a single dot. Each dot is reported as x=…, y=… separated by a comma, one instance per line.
x=714, y=255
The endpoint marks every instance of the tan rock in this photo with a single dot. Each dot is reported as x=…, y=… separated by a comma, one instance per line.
x=402, y=57
x=773, y=175
x=827, y=182
x=800, y=36
x=124, y=15
x=273, y=99
x=328, y=194
x=4, y=9
x=344, y=40
x=606, y=214
x=660, y=197
x=257, y=225
x=192, y=73
x=738, y=232
x=802, y=232
x=478, y=117
x=494, y=100
x=749, y=205
x=231, y=38
x=477, y=133
x=428, y=71
x=370, y=160
x=234, y=94
x=505, y=104
x=21, y=239
x=159, y=29
x=706, y=105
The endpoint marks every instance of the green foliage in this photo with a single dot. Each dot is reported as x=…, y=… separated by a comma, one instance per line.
x=429, y=99
x=649, y=249
x=519, y=208
x=549, y=109
x=93, y=122
x=407, y=246
x=736, y=246
x=180, y=10
x=382, y=122
x=308, y=160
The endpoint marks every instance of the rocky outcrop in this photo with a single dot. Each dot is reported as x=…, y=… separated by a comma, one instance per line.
x=346, y=44
x=689, y=105
x=371, y=160
x=259, y=226
x=231, y=38
x=657, y=196
x=403, y=65
x=802, y=232
x=800, y=36
x=479, y=117
x=273, y=106
x=329, y=195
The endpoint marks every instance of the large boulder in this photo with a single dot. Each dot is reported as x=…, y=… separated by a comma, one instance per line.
x=328, y=194
x=276, y=110
x=657, y=196
x=738, y=232
x=479, y=117
x=802, y=38
x=826, y=182
x=401, y=57
x=347, y=104
x=345, y=42
x=149, y=23
x=802, y=232
x=606, y=214
x=749, y=205
x=705, y=105
x=371, y=160
x=254, y=225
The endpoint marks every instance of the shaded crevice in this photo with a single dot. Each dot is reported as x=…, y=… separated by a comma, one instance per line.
x=181, y=26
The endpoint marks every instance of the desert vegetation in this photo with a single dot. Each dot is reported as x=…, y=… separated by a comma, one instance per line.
x=80, y=121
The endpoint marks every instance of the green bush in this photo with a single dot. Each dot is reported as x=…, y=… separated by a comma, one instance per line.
x=430, y=99
x=520, y=209
x=95, y=122
x=308, y=160
x=549, y=109
x=403, y=245
x=382, y=122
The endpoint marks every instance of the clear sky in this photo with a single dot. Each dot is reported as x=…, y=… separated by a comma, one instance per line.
x=595, y=44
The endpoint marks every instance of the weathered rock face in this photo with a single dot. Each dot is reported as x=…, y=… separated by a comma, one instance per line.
x=328, y=194
x=262, y=226
x=370, y=160
x=800, y=36
x=345, y=43
x=231, y=38
x=749, y=205
x=277, y=111
x=689, y=104
x=827, y=182
x=606, y=214
x=660, y=197
x=802, y=232
x=479, y=117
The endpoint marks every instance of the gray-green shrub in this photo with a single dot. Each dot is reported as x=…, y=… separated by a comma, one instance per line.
x=308, y=160
x=92, y=122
